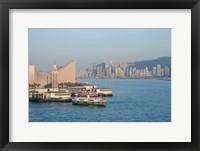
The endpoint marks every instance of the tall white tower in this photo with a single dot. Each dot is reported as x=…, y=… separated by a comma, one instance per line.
x=55, y=77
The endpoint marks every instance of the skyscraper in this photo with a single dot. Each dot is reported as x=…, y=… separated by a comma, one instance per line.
x=154, y=71
x=158, y=70
x=166, y=71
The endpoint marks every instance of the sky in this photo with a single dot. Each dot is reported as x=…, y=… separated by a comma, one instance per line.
x=87, y=46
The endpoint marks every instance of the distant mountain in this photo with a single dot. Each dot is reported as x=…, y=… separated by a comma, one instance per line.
x=163, y=61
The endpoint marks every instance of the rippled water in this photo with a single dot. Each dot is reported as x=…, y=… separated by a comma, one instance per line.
x=134, y=100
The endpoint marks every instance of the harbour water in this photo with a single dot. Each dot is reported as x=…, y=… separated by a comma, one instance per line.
x=134, y=100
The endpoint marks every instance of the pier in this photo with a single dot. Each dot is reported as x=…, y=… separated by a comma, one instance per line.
x=65, y=94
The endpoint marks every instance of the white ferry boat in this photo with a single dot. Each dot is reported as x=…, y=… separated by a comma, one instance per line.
x=99, y=101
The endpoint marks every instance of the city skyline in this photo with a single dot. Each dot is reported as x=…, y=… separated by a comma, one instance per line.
x=88, y=46
x=81, y=69
x=123, y=70
x=111, y=70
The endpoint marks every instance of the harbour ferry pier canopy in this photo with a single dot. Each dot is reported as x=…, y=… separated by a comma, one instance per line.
x=60, y=74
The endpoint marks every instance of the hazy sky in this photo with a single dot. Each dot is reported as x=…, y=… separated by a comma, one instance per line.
x=88, y=46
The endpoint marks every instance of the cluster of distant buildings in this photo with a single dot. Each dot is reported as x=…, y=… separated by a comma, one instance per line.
x=59, y=74
x=56, y=79
x=122, y=70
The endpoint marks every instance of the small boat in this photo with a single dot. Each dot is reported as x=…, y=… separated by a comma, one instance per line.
x=99, y=101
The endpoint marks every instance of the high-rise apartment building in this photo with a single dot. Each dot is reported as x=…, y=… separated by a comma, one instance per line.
x=158, y=70
x=154, y=71
x=166, y=70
